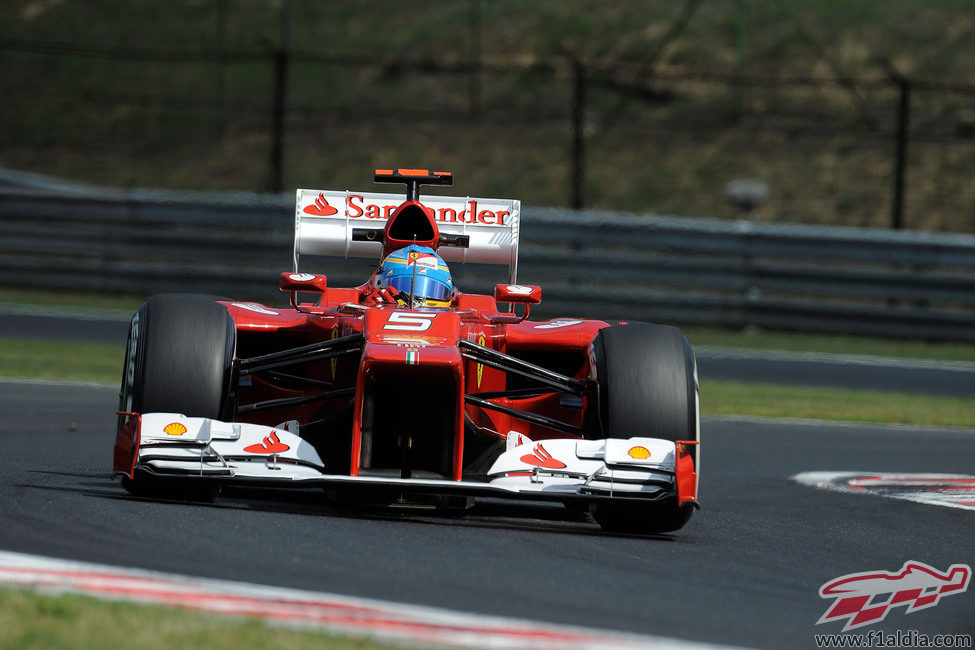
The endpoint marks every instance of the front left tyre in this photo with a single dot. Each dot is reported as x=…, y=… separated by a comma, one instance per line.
x=647, y=377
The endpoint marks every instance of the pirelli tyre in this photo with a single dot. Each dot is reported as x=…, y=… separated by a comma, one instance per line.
x=647, y=379
x=178, y=358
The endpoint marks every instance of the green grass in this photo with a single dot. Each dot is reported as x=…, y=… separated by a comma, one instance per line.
x=61, y=360
x=775, y=401
x=830, y=344
x=88, y=301
x=100, y=363
x=698, y=336
x=30, y=620
x=103, y=363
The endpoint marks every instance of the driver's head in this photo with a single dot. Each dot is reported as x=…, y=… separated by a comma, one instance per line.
x=417, y=271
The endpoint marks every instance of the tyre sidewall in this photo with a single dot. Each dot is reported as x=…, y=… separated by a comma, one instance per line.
x=647, y=378
x=179, y=357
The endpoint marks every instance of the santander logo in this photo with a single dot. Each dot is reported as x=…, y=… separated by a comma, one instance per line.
x=444, y=210
x=320, y=207
x=542, y=458
x=270, y=445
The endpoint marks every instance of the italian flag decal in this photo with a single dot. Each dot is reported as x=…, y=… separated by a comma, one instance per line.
x=412, y=356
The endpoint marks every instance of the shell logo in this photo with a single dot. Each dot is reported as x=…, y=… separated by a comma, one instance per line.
x=174, y=429
x=639, y=452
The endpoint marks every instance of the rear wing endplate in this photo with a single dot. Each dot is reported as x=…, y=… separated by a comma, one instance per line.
x=326, y=221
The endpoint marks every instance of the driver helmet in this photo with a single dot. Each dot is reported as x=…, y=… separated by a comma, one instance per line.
x=419, y=271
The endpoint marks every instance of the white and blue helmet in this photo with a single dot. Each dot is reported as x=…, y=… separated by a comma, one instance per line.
x=419, y=271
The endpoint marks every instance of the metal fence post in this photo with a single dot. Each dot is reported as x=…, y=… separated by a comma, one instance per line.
x=280, y=59
x=578, y=179
x=474, y=109
x=900, y=169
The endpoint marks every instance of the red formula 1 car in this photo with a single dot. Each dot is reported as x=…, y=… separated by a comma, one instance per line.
x=406, y=388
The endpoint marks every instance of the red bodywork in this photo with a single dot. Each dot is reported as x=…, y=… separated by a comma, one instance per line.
x=410, y=375
x=409, y=347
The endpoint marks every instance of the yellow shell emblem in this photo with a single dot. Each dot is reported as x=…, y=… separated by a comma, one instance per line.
x=174, y=429
x=639, y=453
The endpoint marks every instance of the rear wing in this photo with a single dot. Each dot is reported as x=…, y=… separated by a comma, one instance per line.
x=349, y=224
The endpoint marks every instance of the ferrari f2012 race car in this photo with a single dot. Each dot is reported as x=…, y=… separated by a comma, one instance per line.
x=406, y=389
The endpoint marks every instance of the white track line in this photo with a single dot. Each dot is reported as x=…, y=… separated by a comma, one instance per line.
x=55, y=382
x=929, y=489
x=394, y=622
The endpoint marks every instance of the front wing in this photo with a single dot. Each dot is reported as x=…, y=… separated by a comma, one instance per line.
x=173, y=445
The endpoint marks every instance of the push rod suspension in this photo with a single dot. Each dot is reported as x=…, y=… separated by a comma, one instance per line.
x=495, y=359
x=295, y=401
x=312, y=352
x=534, y=418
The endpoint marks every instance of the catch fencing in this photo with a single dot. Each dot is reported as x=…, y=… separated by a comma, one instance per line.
x=866, y=150
x=590, y=264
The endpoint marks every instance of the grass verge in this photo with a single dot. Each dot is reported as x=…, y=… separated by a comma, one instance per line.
x=61, y=360
x=699, y=336
x=830, y=344
x=95, y=302
x=775, y=401
x=75, y=622
x=103, y=364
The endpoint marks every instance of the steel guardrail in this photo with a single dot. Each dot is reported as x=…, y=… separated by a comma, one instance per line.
x=589, y=263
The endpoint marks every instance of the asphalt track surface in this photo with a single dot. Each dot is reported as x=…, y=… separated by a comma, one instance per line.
x=746, y=570
x=906, y=376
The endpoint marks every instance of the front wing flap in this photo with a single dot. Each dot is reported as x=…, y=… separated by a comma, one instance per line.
x=170, y=444
x=173, y=444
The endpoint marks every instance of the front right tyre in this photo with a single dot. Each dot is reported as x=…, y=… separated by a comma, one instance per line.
x=179, y=358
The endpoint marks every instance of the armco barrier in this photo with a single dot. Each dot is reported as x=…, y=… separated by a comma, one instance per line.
x=608, y=265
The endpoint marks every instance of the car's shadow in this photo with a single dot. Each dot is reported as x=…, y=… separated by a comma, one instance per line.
x=538, y=517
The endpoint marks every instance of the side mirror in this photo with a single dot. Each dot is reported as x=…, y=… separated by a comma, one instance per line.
x=521, y=293
x=303, y=282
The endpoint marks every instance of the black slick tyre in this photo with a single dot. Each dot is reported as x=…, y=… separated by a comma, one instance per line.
x=179, y=359
x=647, y=379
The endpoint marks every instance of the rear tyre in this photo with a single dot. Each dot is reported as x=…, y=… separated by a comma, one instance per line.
x=179, y=358
x=647, y=378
